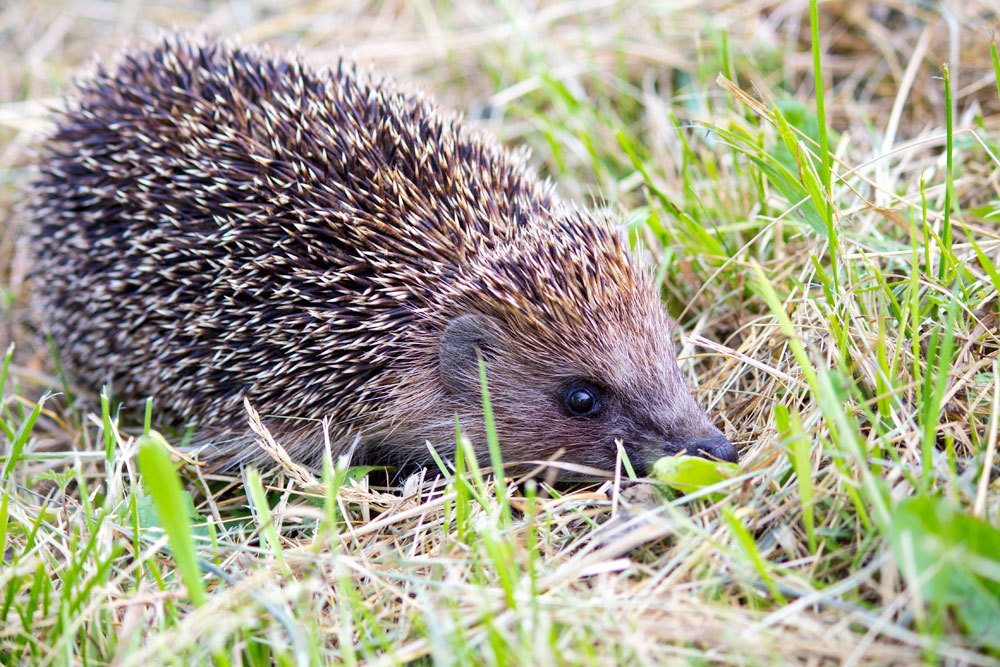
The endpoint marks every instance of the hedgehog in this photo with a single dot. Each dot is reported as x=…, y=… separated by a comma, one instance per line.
x=214, y=223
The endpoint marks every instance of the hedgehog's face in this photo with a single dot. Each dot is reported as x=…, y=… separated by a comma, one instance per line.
x=576, y=400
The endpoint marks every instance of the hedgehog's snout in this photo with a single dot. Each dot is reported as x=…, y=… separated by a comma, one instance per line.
x=712, y=445
x=716, y=447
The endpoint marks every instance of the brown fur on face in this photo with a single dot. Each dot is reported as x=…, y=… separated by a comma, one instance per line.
x=615, y=340
x=213, y=222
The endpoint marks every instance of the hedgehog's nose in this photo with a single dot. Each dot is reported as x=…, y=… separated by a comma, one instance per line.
x=716, y=446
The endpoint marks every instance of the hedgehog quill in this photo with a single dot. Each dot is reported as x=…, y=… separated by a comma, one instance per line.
x=213, y=222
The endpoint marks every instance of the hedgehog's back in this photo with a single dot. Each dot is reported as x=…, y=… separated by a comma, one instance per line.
x=212, y=222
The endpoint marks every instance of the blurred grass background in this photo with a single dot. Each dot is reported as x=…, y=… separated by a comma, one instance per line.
x=840, y=316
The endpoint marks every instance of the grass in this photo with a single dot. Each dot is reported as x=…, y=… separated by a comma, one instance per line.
x=818, y=184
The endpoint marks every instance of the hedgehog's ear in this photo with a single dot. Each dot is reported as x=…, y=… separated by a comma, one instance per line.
x=466, y=337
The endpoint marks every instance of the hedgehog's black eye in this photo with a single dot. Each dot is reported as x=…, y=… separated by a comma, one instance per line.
x=582, y=400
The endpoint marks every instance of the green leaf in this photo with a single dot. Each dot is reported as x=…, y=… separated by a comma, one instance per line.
x=954, y=558
x=149, y=517
x=691, y=473
x=358, y=473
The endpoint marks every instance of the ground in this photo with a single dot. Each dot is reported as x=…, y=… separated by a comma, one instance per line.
x=830, y=253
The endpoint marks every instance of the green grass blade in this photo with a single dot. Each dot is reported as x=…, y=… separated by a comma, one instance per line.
x=799, y=453
x=749, y=548
x=996, y=66
x=265, y=520
x=164, y=485
x=493, y=441
x=21, y=439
